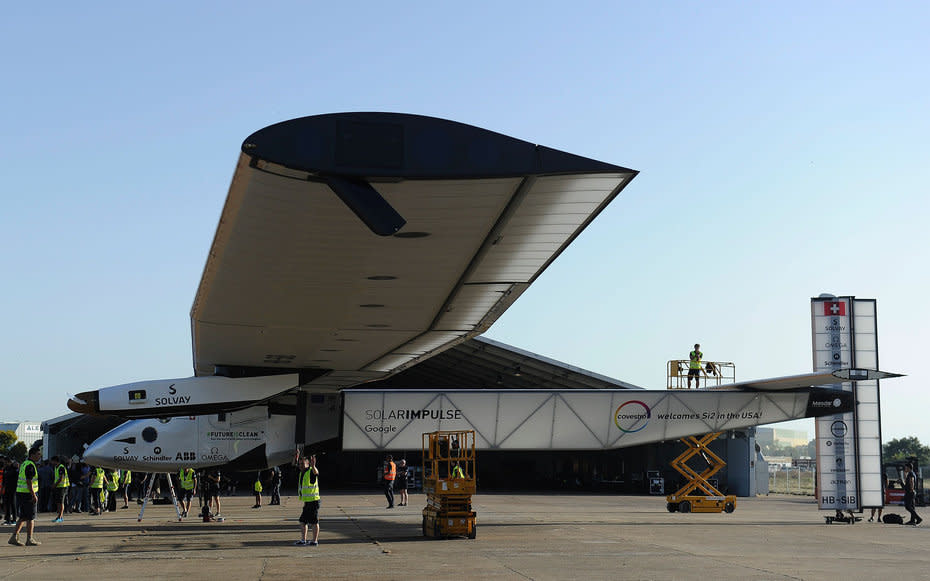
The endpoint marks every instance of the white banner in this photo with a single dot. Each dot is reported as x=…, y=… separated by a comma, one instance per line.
x=566, y=420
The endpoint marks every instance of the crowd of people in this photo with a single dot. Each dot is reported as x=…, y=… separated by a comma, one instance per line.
x=69, y=486
x=64, y=486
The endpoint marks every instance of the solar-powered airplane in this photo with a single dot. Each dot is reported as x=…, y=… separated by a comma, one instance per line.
x=355, y=246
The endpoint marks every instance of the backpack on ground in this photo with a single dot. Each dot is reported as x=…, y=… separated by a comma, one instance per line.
x=893, y=519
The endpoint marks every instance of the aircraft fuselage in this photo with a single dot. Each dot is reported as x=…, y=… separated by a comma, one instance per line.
x=249, y=439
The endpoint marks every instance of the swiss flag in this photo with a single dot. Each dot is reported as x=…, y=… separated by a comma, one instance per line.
x=834, y=309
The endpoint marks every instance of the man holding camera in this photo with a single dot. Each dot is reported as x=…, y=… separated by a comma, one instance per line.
x=694, y=367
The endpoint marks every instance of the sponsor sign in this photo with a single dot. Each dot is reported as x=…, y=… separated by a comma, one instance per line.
x=848, y=444
x=635, y=418
x=215, y=435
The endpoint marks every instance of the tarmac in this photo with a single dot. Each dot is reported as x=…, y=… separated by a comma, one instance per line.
x=519, y=536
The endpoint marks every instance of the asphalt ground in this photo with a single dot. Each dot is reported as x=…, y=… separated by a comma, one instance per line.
x=519, y=536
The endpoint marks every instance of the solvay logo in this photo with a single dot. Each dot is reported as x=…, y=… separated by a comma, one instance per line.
x=632, y=416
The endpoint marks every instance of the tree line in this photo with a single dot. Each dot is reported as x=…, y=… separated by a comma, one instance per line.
x=11, y=447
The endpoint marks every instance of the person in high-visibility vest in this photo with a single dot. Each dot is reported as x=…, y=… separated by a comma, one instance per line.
x=257, y=488
x=97, y=479
x=694, y=366
x=60, y=486
x=124, y=482
x=188, y=479
x=112, y=486
x=27, y=495
x=308, y=491
x=390, y=472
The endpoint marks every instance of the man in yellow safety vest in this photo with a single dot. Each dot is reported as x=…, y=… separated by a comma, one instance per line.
x=257, y=489
x=694, y=366
x=97, y=479
x=308, y=490
x=27, y=489
x=124, y=482
x=188, y=480
x=60, y=486
x=112, y=486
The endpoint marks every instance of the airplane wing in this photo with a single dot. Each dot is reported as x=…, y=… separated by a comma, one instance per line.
x=354, y=245
x=807, y=380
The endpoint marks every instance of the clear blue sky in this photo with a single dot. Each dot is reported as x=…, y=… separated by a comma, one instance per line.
x=783, y=148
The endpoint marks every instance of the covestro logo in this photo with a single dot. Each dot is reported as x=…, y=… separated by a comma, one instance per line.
x=632, y=416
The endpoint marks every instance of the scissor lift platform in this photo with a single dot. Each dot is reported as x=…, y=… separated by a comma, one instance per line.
x=449, y=481
x=688, y=498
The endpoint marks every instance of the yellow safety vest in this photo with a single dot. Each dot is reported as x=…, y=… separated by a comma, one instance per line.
x=127, y=477
x=61, y=474
x=258, y=486
x=309, y=491
x=97, y=482
x=186, y=476
x=23, y=485
x=113, y=482
x=457, y=472
x=695, y=359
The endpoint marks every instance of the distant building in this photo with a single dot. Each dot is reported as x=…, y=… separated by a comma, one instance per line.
x=777, y=463
x=782, y=437
x=26, y=432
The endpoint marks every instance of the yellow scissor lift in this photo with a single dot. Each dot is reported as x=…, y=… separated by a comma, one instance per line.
x=698, y=494
x=448, y=509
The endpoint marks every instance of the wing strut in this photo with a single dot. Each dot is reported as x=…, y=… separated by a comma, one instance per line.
x=370, y=206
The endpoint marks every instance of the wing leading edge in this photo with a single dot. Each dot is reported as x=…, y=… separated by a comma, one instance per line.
x=808, y=380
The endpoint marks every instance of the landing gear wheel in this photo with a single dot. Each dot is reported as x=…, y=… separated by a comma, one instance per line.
x=671, y=506
x=684, y=506
x=729, y=507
